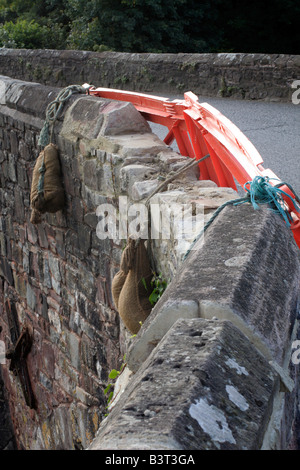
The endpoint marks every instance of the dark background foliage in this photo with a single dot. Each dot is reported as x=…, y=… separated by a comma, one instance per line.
x=152, y=25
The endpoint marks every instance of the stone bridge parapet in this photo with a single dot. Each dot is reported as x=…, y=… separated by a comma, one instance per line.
x=231, y=75
x=211, y=367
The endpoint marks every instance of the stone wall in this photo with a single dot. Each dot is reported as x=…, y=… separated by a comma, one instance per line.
x=57, y=274
x=211, y=368
x=59, y=284
x=7, y=438
x=217, y=344
x=237, y=75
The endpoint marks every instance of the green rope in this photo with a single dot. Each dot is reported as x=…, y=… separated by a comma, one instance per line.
x=42, y=171
x=213, y=217
x=262, y=192
x=259, y=191
x=53, y=111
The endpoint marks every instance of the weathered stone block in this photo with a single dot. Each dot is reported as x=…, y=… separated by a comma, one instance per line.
x=18, y=201
x=14, y=143
x=92, y=174
x=20, y=285
x=66, y=378
x=84, y=238
x=46, y=274
x=6, y=271
x=22, y=177
x=139, y=144
x=75, y=126
x=91, y=219
x=73, y=342
x=122, y=118
x=101, y=117
x=77, y=209
x=12, y=169
x=238, y=274
x=85, y=397
x=87, y=282
x=32, y=233
x=226, y=384
x=31, y=296
x=170, y=312
x=2, y=244
x=24, y=151
x=54, y=265
x=132, y=173
x=110, y=180
x=143, y=189
x=7, y=438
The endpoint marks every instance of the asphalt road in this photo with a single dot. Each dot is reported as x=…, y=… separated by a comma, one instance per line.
x=273, y=128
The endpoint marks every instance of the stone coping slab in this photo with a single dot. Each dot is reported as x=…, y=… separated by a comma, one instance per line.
x=247, y=271
x=204, y=387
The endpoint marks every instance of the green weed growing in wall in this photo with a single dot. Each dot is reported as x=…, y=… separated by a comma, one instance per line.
x=113, y=375
x=158, y=285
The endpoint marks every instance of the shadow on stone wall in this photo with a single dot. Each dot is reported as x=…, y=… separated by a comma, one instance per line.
x=7, y=438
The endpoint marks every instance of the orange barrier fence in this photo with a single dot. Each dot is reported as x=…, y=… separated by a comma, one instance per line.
x=199, y=129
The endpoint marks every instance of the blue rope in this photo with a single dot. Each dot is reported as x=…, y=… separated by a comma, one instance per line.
x=233, y=202
x=262, y=192
x=259, y=191
x=42, y=171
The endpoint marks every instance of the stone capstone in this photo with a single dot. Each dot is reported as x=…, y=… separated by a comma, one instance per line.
x=236, y=272
x=203, y=387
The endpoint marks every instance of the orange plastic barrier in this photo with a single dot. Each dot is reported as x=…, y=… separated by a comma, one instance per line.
x=199, y=129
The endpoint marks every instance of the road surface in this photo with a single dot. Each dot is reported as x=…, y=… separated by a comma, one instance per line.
x=273, y=128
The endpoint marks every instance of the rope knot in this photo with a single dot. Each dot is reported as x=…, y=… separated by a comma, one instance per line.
x=261, y=191
x=53, y=110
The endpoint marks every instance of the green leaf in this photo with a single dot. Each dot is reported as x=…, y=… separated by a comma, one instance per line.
x=110, y=397
x=107, y=388
x=153, y=297
x=113, y=374
x=144, y=283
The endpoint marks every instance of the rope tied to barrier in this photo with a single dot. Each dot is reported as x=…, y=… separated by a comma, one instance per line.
x=261, y=191
x=53, y=111
x=258, y=191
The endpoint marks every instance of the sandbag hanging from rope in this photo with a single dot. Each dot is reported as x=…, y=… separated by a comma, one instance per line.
x=47, y=192
x=131, y=285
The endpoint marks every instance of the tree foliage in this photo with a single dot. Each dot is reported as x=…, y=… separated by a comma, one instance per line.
x=194, y=26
